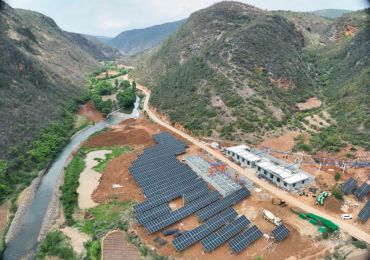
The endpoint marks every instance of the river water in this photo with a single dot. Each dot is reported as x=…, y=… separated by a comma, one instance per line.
x=24, y=243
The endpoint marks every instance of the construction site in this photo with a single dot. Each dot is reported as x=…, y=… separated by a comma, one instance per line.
x=190, y=205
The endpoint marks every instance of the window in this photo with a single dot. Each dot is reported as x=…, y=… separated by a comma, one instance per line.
x=293, y=185
x=258, y=169
x=278, y=179
x=243, y=160
x=237, y=157
x=271, y=176
x=285, y=184
x=265, y=172
x=248, y=163
x=303, y=182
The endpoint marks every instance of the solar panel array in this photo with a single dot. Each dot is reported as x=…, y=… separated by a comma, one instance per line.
x=149, y=215
x=190, y=237
x=223, y=204
x=194, y=194
x=349, y=186
x=280, y=232
x=244, y=239
x=221, y=236
x=365, y=212
x=361, y=192
x=175, y=216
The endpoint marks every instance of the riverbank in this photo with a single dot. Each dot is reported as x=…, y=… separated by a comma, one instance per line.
x=24, y=203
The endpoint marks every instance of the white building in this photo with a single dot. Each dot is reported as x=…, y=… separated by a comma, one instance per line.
x=242, y=154
x=282, y=177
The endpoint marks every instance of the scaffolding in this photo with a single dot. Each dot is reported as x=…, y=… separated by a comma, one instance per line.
x=220, y=181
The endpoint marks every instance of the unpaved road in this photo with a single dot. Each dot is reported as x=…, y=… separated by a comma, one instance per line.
x=350, y=229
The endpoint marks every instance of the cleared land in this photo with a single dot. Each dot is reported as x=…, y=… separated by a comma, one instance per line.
x=115, y=247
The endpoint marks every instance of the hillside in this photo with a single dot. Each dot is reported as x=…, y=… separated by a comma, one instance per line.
x=344, y=73
x=331, y=13
x=135, y=41
x=233, y=72
x=42, y=70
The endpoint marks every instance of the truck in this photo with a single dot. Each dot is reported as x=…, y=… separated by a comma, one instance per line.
x=269, y=216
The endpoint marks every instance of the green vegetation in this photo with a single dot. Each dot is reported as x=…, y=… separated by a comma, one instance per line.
x=104, y=87
x=69, y=197
x=126, y=98
x=337, y=193
x=56, y=244
x=21, y=167
x=337, y=176
x=359, y=244
x=116, y=151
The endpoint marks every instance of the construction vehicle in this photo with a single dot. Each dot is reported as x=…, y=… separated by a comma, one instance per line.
x=269, y=216
x=279, y=202
x=320, y=199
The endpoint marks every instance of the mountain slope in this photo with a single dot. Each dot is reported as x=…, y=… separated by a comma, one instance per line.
x=231, y=68
x=331, y=13
x=42, y=70
x=135, y=41
x=344, y=69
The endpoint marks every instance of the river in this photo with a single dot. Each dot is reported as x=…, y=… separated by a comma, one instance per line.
x=24, y=242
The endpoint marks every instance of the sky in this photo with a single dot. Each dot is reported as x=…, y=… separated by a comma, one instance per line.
x=110, y=17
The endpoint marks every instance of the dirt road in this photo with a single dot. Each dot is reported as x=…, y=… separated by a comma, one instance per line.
x=350, y=229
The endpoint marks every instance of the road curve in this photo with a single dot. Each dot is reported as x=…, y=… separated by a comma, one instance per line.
x=350, y=229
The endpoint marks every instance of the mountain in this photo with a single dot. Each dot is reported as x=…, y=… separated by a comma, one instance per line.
x=331, y=13
x=42, y=69
x=231, y=68
x=233, y=71
x=102, y=39
x=135, y=41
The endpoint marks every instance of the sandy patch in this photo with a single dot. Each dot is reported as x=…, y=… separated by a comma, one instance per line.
x=310, y=103
x=4, y=214
x=77, y=238
x=89, y=179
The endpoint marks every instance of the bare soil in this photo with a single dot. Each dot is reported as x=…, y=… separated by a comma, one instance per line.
x=310, y=103
x=89, y=111
x=4, y=214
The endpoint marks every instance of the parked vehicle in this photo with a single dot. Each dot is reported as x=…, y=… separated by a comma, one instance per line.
x=346, y=216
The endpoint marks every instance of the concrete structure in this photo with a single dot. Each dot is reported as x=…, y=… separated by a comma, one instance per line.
x=223, y=184
x=242, y=154
x=285, y=178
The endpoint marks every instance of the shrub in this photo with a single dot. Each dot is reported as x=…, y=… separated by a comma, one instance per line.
x=337, y=193
x=337, y=176
x=56, y=244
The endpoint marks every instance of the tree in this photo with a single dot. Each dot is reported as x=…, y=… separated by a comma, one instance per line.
x=337, y=176
x=126, y=98
x=125, y=84
x=116, y=83
x=337, y=193
x=104, y=88
x=106, y=75
x=134, y=86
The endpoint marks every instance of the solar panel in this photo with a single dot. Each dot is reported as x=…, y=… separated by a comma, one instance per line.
x=181, y=213
x=349, y=186
x=194, y=194
x=159, y=199
x=361, y=192
x=244, y=239
x=365, y=212
x=218, y=238
x=223, y=204
x=147, y=216
x=280, y=232
x=191, y=237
